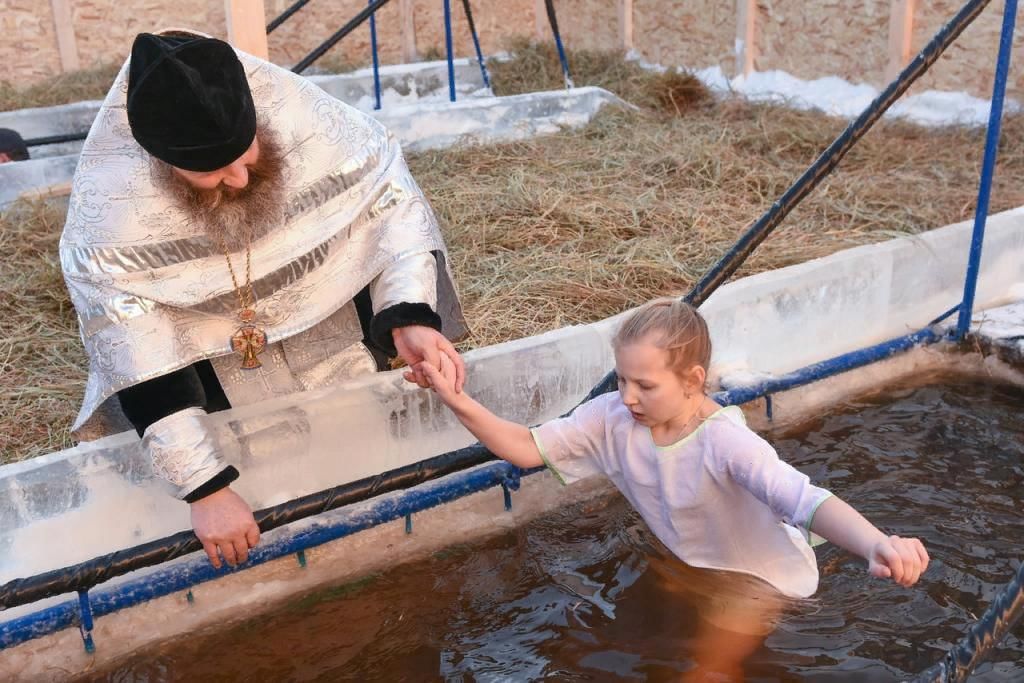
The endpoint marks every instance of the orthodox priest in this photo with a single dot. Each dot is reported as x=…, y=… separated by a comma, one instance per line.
x=236, y=234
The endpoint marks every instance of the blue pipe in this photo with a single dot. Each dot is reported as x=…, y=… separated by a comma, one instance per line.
x=988, y=166
x=553, y=21
x=188, y=573
x=827, y=368
x=376, y=62
x=476, y=44
x=85, y=621
x=448, y=48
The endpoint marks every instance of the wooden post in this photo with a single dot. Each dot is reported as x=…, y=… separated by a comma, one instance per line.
x=626, y=24
x=247, y=26
x=746, y=36
x=407, y=9
x=540, y=21
x=901, y=30
x=66, y=44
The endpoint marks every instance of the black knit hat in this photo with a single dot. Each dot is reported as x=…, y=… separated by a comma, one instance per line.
x=189, y=103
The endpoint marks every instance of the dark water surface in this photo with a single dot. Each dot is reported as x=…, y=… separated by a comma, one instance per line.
x=571, y=596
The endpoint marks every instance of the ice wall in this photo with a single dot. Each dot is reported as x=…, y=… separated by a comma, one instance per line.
x=69, y=506
x=401, y=86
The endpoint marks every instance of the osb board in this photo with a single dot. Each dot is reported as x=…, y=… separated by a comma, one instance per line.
x=825, y=37
x=317, y=21
x=496, y=22
x=104, y=29
x=969, y=63
x=690, y=33
x=588, y=24
x=28, y=50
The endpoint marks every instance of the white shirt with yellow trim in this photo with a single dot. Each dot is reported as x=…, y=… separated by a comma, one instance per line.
x=719, y=498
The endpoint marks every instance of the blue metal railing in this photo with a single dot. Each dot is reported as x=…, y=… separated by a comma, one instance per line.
x=987, y=168
x=376, y=62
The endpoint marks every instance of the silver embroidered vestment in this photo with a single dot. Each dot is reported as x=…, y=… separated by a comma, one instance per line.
x=151, y=290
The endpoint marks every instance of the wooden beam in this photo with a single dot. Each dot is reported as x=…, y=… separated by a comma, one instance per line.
x=247, y=26
x=61, y=189
x=746, y=36
x=66, y=44
x=901, y=36
x=407, y=9
x=626, y=24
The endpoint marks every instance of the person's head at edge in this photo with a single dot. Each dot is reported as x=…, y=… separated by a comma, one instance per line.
x=12, y=147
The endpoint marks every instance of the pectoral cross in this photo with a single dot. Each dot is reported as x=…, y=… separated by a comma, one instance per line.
x=249, y=341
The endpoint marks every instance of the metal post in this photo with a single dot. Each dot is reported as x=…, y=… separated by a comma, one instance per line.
x=553, y=20
x=476, y=44
x=987, y=168
x=448, y=48
x=85, y=621
x=376, y=62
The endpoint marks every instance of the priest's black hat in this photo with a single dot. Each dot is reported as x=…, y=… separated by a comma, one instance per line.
x=189, y=103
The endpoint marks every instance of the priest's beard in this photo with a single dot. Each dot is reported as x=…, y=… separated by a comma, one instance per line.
x=232, y=216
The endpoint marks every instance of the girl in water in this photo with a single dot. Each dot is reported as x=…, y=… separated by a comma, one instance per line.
x=711, y=490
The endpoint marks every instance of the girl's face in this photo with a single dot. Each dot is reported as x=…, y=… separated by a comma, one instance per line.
x=655, y=393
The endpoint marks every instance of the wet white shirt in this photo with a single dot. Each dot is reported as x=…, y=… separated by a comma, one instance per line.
x=719, y=498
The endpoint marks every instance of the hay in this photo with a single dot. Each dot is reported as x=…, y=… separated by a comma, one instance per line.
x=573, y=227
x=87, y=84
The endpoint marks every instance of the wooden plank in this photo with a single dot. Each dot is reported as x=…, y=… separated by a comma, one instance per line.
x=901, y=30
x=247, y=26
x=66, y=43
x=746, y=36
x=61, y=189
x=407, y=9
x=626, y=24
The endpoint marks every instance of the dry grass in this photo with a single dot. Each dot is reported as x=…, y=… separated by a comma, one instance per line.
x=573, y=227
x=87, y=84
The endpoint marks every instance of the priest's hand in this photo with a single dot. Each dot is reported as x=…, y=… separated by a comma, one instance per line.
x=420, y=344
x=224, y=523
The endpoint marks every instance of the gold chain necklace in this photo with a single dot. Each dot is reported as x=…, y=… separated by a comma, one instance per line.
x=248, y=341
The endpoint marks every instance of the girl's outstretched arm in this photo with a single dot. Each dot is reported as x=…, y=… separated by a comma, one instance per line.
x=508, y=440
x=902, y=559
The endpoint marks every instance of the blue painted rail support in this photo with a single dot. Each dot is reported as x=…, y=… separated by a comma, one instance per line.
x=408, y=523
x=301, y=558
x=476, y=44
x=376, y=61
x=85, y=621
x=553, y=21
x=448, y=48
x=988, y=166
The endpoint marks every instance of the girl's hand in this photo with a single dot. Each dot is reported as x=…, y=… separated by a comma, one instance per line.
x=445, y=382
x=901, y=559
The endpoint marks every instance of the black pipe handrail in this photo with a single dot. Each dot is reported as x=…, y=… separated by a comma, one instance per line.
x=92, y=572
x=286, y=15
x=352, y=25
x=56, y=139
x=982, y=637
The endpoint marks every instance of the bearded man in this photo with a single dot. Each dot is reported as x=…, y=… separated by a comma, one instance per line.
x=236, y=234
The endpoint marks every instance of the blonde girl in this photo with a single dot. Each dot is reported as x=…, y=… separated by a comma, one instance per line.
x=710, y=489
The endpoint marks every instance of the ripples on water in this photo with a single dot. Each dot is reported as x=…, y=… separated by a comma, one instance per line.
x=570, y=596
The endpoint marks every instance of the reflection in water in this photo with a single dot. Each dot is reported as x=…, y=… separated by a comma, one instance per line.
x=576, y=595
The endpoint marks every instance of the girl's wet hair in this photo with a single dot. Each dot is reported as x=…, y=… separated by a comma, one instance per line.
x=671, y=325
